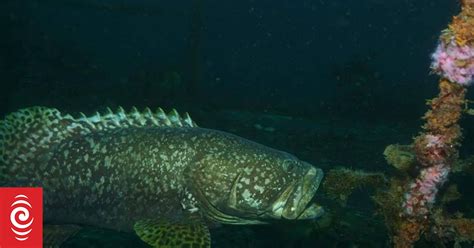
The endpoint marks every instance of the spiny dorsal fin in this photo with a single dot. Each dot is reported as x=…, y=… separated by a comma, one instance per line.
x=134, y=118
x=30, y=133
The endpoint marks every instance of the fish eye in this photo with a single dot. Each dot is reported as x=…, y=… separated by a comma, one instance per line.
x=289, y=165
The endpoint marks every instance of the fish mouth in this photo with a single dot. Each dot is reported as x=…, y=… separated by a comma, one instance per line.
x=297, y=205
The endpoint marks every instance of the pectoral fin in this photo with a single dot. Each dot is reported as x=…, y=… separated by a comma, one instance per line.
x=165, y=233
x=55, y=235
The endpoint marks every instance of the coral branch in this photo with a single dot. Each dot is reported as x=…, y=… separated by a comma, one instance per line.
x=421, y=197
x=436, y=151
x=436, y=148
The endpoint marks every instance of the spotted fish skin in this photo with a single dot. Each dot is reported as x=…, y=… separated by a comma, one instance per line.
x=116, y=169
x=117, y=177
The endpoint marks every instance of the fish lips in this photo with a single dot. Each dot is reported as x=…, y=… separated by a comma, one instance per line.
x=298, y=204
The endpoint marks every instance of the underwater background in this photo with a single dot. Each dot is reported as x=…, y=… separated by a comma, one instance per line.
x=332, y=82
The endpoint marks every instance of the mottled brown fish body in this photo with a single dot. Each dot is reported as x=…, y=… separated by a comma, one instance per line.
x=117, y=177
x=114, y=170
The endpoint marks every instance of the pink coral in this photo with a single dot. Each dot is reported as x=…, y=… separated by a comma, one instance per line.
x=454, y=62
x=434, y=140
x=422, y=192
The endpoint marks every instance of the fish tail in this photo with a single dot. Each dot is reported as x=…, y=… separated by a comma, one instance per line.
x=27, y=134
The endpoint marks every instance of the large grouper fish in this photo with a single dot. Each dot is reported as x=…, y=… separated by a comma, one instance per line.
x=155, y=173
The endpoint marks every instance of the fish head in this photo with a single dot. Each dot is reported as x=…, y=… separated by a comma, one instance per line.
x=252, y=184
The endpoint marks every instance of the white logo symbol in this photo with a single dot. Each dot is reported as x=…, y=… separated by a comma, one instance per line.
x=20, y=217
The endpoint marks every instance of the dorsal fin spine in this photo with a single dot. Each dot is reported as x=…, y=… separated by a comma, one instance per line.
x=160, y=114
x=187, y=119
x=109, y=111
x=175, y=118
x=121, y=112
